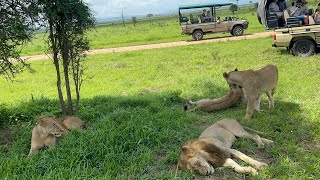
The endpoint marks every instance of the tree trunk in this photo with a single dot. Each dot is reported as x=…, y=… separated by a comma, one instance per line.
x=77, y=80
x=65, y=60
x=66, y=77
x=56, y=63
x=78, y=97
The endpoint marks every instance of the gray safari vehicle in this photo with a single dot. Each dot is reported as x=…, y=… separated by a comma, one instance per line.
x=198, y=25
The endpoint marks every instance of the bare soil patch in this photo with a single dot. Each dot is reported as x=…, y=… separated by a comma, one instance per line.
x=160, y=45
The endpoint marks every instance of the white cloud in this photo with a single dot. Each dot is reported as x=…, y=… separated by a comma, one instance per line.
x=113, y=8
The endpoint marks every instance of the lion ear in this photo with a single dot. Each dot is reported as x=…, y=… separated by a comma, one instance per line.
x=187, y=150
x=225, y=75
x=41, y=121
x=236, y=69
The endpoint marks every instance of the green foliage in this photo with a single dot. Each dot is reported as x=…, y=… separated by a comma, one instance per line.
x=133, y=104
x=68, y=20
x=233, y=8
x=16, y=23
x=134, y=20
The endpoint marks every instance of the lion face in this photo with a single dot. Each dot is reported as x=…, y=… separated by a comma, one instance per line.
x=229, y=80
x=194, y=162
x=51, y=126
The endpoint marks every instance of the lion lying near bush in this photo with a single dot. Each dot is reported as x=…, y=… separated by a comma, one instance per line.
x=213, y=149
x=254, y=84
x=49, y=129
x=208, y=105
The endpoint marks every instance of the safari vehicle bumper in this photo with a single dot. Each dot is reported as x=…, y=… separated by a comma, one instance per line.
x=274, y=45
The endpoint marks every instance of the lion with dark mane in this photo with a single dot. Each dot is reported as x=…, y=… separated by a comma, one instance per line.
x=213, y=149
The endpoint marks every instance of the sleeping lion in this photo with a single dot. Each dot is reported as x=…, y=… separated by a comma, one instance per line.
x=213, y=149
x=48, y=130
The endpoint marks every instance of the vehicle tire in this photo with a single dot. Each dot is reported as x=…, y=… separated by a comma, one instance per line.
x=237, y=31
x=303, y=47
x=197, y=35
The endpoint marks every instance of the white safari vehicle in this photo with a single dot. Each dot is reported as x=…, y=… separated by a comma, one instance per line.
x=301, y=40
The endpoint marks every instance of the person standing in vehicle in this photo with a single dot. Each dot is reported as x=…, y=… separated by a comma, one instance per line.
x=208, y=16
x=297, y=11
x=203, y=13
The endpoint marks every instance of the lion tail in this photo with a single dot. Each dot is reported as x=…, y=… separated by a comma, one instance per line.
x=187, y=104
x=84, y=126
x=252, y=130
x=192, y=103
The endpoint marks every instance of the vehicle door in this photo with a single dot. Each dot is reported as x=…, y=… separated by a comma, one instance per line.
x=209, y=27
x=223, y=26
x=261, y=13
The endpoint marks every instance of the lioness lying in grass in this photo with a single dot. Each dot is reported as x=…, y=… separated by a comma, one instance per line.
x=48, y=130
x=213, y=149
x=234, y=95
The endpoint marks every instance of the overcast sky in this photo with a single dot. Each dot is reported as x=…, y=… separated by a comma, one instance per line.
x=113, y=8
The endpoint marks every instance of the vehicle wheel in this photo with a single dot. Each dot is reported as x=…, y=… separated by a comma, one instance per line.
x=303, y=47
x=197, y=35
x=237, y=31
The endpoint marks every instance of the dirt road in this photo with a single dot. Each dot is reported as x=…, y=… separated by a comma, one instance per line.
x=160, y=45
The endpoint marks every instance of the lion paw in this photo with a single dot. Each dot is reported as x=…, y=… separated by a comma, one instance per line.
x=247, y=117
x=250, y=170
x=210, y=171
x=261, y=165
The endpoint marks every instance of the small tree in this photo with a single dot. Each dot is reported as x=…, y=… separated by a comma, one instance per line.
x=134, y=20
x=233, y=8
x=237, y=2
x=150, y=16
x=68, y=20
x=16, y=26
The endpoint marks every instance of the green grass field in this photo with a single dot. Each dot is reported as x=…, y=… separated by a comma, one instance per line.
x=132, y=102
x=160, y=30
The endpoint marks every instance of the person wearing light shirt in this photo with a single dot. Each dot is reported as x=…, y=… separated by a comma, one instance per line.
x=274, y=8
x=297, y=11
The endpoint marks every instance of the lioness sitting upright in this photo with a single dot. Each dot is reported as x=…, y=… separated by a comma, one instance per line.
x=254, y=83
x=213, y=149
x=48, y=130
